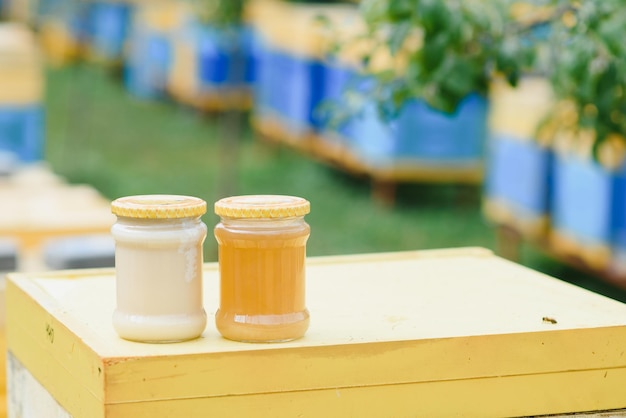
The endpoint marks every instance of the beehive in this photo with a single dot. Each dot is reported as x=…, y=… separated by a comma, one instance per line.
x=589, y=200
x=422, y=136
x=110, y=23
x=21, y=93
x=149, y=55
x=519, y=166
x=291, y=74
x=455, y=332
x=203, y=74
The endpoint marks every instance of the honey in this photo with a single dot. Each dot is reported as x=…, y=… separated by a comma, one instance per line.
x=262, y=251
x=158, y=267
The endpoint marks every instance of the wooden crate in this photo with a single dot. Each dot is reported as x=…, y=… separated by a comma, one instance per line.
x=455, y=332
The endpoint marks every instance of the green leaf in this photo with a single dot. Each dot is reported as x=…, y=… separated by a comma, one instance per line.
x=400, y=10
x=434, y=15
x=432, y=54
x=398, y=36
x=373, y=11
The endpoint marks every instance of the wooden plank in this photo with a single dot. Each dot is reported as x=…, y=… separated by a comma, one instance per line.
x=314, y=368
x=36, y=402
x=491, y=397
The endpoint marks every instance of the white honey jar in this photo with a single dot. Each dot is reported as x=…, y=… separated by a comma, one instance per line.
x=158, y=267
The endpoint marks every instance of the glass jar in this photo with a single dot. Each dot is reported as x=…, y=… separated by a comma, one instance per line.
x=262, y=251
x=158, y=267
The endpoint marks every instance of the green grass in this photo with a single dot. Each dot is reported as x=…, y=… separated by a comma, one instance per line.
x=100, y=135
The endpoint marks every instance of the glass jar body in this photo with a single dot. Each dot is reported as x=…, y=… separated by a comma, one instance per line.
x=262, y=279
x=158, y=265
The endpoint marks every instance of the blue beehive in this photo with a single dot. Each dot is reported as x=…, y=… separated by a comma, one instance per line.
x=293, y=78
x=518, y=179
x=212, y=68
x=21, y=93
x=297, y=90
x=332, y=116
x=148, y=64
x=289, y=88
x=619, y=222
x=584, y=207
x=338, y=77
x=219, y=51
x=109, y=27
x=22, y=131
x=422, y=135
x=262, y=91
x=150, y=48
x=518, y=167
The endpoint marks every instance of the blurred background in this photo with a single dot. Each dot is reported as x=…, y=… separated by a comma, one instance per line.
x=408, y=124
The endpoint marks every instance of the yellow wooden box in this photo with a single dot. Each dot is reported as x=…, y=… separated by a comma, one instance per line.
x=429, y=333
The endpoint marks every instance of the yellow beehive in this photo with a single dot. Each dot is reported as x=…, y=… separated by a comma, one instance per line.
x=183, y=82
x=21, y=74
x=519, y=111
x=430, y=333
x=303, y=30
x=163, y=16
x=59, y=45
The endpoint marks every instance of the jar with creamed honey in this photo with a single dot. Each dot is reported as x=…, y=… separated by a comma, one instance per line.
x=262, y=251
x=158, y=267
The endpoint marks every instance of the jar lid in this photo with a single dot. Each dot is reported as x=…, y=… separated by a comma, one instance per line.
x=158, y=206
x=262, y=206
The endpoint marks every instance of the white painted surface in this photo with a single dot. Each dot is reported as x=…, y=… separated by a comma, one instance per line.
x=26, y=397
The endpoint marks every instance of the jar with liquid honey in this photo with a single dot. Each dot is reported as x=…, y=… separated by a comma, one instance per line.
x=158, y=267
x=262, y=251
